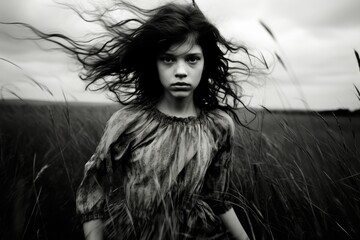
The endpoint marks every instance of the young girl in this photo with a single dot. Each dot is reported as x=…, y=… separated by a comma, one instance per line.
x=161, y=169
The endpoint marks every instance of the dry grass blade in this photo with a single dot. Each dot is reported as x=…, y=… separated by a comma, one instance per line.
x=66, y=110
x=11, y=92
x=280, y=61
x=267, y=29
x=358, y=92
x=41, y=86
x=352, y=176
x=268, y=110
x=264, y=61
x=342, y=229
x=8, y=61
x=357, y=58
x=40, y=172
x=322, y=118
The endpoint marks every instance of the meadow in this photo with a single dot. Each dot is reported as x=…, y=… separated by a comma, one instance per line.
x=296, y=174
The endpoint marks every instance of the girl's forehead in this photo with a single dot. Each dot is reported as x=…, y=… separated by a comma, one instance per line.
x=187, y=47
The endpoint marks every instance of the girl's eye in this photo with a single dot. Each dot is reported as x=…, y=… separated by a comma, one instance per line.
x=193, y=59
x=167, y=59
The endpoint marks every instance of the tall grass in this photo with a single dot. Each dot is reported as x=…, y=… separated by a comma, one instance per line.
x=301, y=179
x=43, y=151
x=296, y=176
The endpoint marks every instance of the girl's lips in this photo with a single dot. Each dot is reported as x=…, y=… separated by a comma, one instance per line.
x=181, y=84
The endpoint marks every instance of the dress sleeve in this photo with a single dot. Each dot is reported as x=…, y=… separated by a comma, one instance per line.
x=216, y=183
x=93, y=191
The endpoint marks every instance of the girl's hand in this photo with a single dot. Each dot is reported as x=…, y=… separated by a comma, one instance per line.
x=93, y=230
x=233, y=224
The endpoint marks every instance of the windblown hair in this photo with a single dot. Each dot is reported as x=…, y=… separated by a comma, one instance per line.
x=124, y=59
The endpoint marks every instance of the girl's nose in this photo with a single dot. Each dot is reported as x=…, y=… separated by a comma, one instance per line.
x=180, y=71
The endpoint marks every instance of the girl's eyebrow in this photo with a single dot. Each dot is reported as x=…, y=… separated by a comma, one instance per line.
x=186, y=54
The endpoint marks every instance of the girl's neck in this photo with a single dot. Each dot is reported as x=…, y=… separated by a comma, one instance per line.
x=179, y=108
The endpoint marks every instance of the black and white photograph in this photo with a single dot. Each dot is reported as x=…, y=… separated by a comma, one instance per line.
x=179, y=119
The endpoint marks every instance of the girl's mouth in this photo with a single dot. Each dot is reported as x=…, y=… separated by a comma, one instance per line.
x=181, y=84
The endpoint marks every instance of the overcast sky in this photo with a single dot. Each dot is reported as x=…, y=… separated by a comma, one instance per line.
x=316, y=40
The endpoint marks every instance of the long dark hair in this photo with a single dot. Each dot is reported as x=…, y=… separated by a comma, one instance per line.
x=124, y=59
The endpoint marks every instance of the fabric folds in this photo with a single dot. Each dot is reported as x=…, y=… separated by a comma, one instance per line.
x=155, y=176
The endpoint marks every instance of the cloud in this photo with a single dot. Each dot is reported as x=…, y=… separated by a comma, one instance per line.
x=316, y=40
x=315, y=14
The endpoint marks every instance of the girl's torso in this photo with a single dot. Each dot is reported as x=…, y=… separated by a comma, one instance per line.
x=159, y=166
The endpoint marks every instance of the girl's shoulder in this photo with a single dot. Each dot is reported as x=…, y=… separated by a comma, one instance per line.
x=221, y=119
x=118, y=123
x=123, y=118
x=124, y=114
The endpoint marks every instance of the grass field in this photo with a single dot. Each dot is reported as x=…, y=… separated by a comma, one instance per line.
x=296, y=175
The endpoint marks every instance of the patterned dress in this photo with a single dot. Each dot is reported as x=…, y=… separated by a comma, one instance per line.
x=155, y=176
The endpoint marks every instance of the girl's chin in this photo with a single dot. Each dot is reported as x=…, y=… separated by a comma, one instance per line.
x=181, y=95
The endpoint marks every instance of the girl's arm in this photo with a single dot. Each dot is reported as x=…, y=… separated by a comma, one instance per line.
x=98, y=172
x=233, y=224
x=93, y=230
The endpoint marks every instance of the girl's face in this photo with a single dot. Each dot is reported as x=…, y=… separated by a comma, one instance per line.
x=180, y=69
